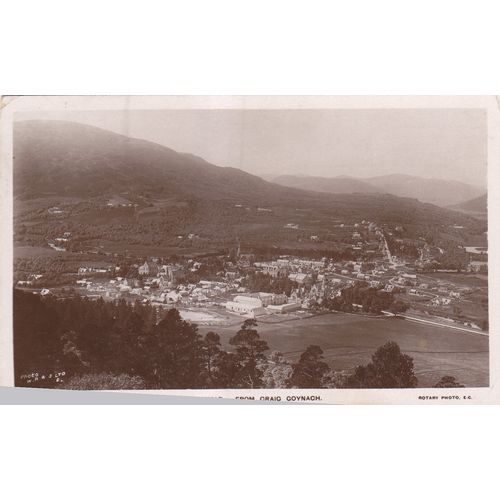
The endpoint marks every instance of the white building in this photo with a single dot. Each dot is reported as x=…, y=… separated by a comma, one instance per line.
x=275, y=269
x=243, y=304
x=268, y=299
x=285, y=308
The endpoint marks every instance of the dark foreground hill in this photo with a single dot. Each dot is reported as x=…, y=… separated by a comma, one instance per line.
x=436, y=191
x=81, y=168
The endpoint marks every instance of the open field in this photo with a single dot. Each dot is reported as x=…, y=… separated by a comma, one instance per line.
x=80, y=259
x=27, y=252
x=474, y=213
x=21, y=206
x=201, y=316
x=350, y=340
x=154, y=251
x=465, y=279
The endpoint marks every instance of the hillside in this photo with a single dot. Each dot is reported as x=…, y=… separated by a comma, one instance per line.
x=436, y=191
x=113, y=190
x=70, y=159
x=479, y=205
x=327, y=184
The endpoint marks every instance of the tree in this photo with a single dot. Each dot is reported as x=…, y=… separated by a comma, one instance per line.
x=211, y=355
x=399, y=307
x=173, y=354
x=277, y=371
x=93, y=343
x=389, y=368
x=72, y=356
x=103, y=381
x=250, y=350
x=37, y=338
x=335, y=379
x=448, y=381
x=125, y=337
x=228, y=370
x=308, y=373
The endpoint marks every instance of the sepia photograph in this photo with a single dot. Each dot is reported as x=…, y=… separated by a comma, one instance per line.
x=250, y=249
x=239, y=247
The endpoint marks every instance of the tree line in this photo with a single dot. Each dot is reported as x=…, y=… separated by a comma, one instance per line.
x=261, y=282
x=368, y=299
x=83, y=344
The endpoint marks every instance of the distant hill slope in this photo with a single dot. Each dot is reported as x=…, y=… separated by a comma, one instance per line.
x=327, y=184
x=479, y=204
x=438, y=192
x=56, y=158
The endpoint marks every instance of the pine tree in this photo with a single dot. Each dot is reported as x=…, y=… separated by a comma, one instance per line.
x=310, y=370
x=212, y=353
x=250, y=350
x=173, y=351
x=389, y=368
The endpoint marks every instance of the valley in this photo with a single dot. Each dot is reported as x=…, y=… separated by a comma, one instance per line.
x=107, y=218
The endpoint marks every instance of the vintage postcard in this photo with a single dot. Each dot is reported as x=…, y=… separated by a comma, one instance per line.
x=272, y=248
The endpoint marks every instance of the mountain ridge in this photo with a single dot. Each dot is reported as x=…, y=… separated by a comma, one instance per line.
x=439, y=192
x=71, y=159
x=479, y=204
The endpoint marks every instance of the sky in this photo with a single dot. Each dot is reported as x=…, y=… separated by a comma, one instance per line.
x=433, y=143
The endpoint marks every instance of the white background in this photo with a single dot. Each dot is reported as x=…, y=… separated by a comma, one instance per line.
x=230, y=47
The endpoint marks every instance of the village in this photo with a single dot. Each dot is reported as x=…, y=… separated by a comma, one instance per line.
x=226, y=297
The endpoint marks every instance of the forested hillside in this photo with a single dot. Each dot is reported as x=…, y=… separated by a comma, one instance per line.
x=108, y=191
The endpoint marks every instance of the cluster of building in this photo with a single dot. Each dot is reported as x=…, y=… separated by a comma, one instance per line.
x=255, y=304
x=478, y=259
x=162, y=285
x=59, y=243
x=157, y=284
x=313, y=280
x=30, y=280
